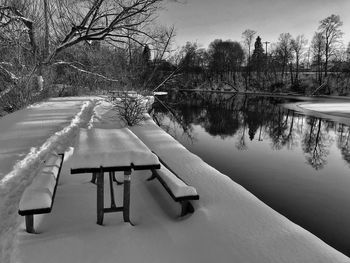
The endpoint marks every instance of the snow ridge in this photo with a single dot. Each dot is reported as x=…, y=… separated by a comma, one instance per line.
x=15, y=182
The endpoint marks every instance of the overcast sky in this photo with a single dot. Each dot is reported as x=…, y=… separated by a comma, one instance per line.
x=202, y=21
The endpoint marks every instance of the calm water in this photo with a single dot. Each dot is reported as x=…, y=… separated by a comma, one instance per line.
x=299, y=165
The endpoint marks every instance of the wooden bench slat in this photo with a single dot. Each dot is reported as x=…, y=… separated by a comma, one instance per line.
x=38, y=198
x=178, y=189
x=44, y=180
x=35, y=199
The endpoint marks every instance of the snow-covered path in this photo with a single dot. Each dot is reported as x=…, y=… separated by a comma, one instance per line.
x=229, y=224
x=27, y=137
x=31, y=127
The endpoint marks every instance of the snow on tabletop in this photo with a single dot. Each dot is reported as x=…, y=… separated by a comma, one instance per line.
x=51, y=170
x=35, y=199
x=178, y=187
x=109, y=148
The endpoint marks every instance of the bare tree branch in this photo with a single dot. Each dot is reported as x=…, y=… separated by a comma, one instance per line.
x=84, y=71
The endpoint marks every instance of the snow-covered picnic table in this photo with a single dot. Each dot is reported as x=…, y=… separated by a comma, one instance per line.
x=109, y=150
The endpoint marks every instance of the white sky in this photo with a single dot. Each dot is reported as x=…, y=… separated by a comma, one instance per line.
x=202, y=21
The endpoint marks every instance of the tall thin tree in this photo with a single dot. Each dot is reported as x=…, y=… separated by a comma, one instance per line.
x=248, y=36
x=298, y=46
x=330, y=29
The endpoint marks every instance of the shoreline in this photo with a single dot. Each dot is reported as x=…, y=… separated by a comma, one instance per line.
x=283, y=95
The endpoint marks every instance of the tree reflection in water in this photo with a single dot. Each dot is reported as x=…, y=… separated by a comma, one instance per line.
x=343, y=142
x=251, y=118
x=316, y=143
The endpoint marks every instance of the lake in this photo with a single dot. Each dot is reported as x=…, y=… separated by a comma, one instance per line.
x=297, y=164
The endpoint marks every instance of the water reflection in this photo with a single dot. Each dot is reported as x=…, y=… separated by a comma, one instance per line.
x=252, y=118
x=343, y=141
x=297, y=164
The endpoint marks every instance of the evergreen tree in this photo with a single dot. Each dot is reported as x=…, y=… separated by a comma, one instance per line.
x=258, y=56
x=146, y=55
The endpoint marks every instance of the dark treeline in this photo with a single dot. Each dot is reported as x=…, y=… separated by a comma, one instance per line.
x=251, y=117
x=292, y=64
x=64, y=48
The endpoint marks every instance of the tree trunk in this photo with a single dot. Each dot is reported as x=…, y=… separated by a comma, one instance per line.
x=39, y=78
x=248, y=68
x=326, y=61
x=291, y=73
x=296, y=79
x=46, y=40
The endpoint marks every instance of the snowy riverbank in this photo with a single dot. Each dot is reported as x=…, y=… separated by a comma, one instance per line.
x=229, y=224
x=336, y=109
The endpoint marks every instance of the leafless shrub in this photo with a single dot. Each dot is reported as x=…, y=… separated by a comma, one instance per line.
x=131, y=108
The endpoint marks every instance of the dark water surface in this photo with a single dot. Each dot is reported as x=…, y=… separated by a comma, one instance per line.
x=299, y=165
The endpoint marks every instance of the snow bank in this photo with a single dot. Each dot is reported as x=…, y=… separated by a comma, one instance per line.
x=14, y=183
x=338, y=111
x=226, y=211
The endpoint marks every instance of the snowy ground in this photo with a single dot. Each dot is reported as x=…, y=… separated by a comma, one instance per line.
x=229, y=224
x=335, y=109
x=28, y=136
x=328, y=107
x=31, y=127
x=332, y=108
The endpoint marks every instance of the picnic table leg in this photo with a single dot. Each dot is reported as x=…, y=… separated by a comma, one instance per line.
x=153, y=176
x=111, y=189
x=115, y=179
x=93, y=178
x=126, y=197
x=186, y=207
x=30, y=224
x=100, y=197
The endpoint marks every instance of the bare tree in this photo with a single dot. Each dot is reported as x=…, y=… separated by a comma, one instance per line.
x=330, y=30
x=248, y=37
x=130, y=108
x=298, y=46
x=68, y=23
x=284, y=49
x=317, y=46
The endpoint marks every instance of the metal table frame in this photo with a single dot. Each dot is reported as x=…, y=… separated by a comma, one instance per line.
x=98, y=173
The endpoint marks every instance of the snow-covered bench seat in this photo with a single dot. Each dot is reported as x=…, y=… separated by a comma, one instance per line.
x=176, y=187
x=38, y=198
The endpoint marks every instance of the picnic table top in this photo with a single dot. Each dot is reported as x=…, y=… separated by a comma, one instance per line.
x=111, y=150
